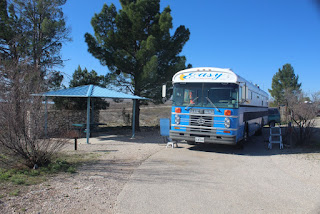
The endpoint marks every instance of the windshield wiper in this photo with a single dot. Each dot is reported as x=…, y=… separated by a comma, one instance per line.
x=212, y=104
x=186, y=108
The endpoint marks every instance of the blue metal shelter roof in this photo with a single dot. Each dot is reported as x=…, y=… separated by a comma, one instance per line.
x=91, y=91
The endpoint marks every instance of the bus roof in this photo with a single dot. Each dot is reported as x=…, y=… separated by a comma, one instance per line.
x=212, y=75
x=206, y=74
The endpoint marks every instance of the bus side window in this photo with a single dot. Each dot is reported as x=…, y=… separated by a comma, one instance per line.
x=244, y=93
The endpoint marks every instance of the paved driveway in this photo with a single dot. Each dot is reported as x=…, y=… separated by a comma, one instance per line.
x=222, y=179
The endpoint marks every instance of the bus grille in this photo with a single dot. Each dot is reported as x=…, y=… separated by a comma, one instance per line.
x=202, y=122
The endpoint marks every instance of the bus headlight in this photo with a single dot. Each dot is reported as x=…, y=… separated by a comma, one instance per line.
x=227, y=122
x=177, y=119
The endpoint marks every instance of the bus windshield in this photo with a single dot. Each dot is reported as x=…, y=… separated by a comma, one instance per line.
x=213, y=95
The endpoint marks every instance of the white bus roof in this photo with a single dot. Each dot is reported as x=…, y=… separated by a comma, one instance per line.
x=212, y=75
x=206, y=74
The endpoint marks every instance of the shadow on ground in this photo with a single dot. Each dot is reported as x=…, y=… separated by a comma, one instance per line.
x=124, y=134
x=257, y=146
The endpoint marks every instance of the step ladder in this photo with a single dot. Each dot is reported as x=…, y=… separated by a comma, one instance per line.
x=275, y=137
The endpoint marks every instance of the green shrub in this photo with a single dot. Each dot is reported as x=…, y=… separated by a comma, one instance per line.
x=34, y=172
x=15, y=192
x=18, y=181
x=67, y=163
x=59, y=166
x=4, y=176
x=71, y=169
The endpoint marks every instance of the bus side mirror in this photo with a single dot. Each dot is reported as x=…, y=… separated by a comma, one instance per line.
x=164, y=93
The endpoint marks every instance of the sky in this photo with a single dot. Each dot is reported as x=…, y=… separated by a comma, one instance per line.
x=252, y=37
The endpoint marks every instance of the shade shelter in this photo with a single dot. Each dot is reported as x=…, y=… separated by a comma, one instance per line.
x=89, y=91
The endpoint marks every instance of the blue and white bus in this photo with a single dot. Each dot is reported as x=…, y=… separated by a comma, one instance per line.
x=215, y=105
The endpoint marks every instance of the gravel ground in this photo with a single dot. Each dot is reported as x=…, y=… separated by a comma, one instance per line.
x=94, y=189
x=224, y=179
x=96, y=186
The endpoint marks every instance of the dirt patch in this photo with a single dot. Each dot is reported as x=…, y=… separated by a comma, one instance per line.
x=95, y=187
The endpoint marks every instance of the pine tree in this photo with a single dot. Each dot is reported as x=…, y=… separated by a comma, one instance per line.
x=136, y=46
x=46, y=30
x=33, y=31
x=284, y=82
x=12, y=32
x=82, y=77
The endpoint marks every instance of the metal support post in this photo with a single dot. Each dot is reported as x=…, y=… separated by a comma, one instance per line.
x=46, y=118
x=133, y=118
x=75, y=143
x=88, y=120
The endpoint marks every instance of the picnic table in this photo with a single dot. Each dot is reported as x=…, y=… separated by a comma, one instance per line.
x=83, y=126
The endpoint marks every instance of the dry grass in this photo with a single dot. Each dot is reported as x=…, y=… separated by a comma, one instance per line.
x=15, y=182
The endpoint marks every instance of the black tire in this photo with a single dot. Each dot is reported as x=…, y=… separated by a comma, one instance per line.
x=272, y=124
x=191, y=142
x=259, y=132
x=240, y=145
x=246, y=133
x=245, y=139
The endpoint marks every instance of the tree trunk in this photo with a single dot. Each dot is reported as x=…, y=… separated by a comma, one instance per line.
x=137, y=116
x=137, y=90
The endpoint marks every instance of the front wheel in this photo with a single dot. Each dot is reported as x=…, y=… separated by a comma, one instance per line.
x=246, y=133
x=191, y=142
x=240, y=145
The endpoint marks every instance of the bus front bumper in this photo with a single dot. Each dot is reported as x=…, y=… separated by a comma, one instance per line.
x=207, y=137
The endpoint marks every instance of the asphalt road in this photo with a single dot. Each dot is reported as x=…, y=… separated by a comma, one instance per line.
x=223, y=179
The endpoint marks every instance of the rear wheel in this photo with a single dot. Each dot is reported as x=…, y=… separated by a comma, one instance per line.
x=272, y=124
x=259, y=132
